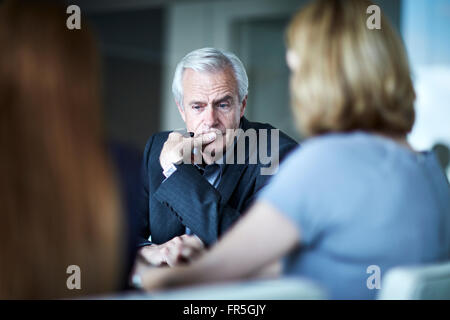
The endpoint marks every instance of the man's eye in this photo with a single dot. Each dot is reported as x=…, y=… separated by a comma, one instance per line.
x=196, y=107
x=224, y=105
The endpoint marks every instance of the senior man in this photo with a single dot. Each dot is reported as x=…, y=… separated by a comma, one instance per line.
x=194, y=186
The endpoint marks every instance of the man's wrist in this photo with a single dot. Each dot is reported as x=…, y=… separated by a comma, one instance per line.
x=169, y=170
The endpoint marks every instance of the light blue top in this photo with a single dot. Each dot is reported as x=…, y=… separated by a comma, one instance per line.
x=360, y=200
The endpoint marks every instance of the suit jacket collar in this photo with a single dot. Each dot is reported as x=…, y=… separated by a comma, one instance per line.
x=245, y=124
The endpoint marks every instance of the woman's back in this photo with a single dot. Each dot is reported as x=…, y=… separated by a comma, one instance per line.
x=362, y=200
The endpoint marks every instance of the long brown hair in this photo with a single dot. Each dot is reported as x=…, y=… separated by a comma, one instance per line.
x=58, y=200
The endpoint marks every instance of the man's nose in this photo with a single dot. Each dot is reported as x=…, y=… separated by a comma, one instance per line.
x=210, y=117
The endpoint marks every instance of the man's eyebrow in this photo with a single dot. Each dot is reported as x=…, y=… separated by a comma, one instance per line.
x=195, y=102
x=227, y=97
x=224, y=98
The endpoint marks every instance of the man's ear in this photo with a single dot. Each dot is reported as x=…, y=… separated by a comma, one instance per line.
x=243, y=105
x=181, y=110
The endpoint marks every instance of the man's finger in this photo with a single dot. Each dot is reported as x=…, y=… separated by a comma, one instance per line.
x=186, y=252
x=173, y=257
x=177, y=240
x=150, y=256
x=174, y=135
x=166, y=255
x=202, y=139
x=193, y=242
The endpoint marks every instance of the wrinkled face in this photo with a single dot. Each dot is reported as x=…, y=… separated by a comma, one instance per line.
x=211, y=103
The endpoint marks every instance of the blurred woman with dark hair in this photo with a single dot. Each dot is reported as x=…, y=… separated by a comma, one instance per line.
x=355, y=194
x=58, y=201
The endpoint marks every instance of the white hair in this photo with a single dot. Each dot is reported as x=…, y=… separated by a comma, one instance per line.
x=210, y=60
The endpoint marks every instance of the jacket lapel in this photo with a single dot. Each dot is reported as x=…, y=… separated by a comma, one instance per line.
x=232, y=172
x=230, y=178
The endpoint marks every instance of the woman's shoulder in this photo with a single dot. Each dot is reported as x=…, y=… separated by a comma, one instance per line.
x=335, y=145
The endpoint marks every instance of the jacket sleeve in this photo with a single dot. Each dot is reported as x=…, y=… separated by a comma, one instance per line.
x=196, y=203
x=143, y=231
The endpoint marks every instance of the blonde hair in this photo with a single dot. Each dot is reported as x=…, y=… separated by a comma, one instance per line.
x=348, y=77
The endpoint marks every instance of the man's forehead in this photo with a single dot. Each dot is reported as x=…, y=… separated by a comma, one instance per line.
x=222, y=80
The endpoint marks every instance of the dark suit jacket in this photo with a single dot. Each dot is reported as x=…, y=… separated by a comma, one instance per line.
x=186, y=199
x=126, y=161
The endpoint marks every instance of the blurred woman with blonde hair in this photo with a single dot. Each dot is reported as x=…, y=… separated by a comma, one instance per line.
x=58, y=200
x=355, y=194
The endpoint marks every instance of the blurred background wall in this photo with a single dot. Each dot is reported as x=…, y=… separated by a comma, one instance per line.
x=142, y=40
x=425, y=27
